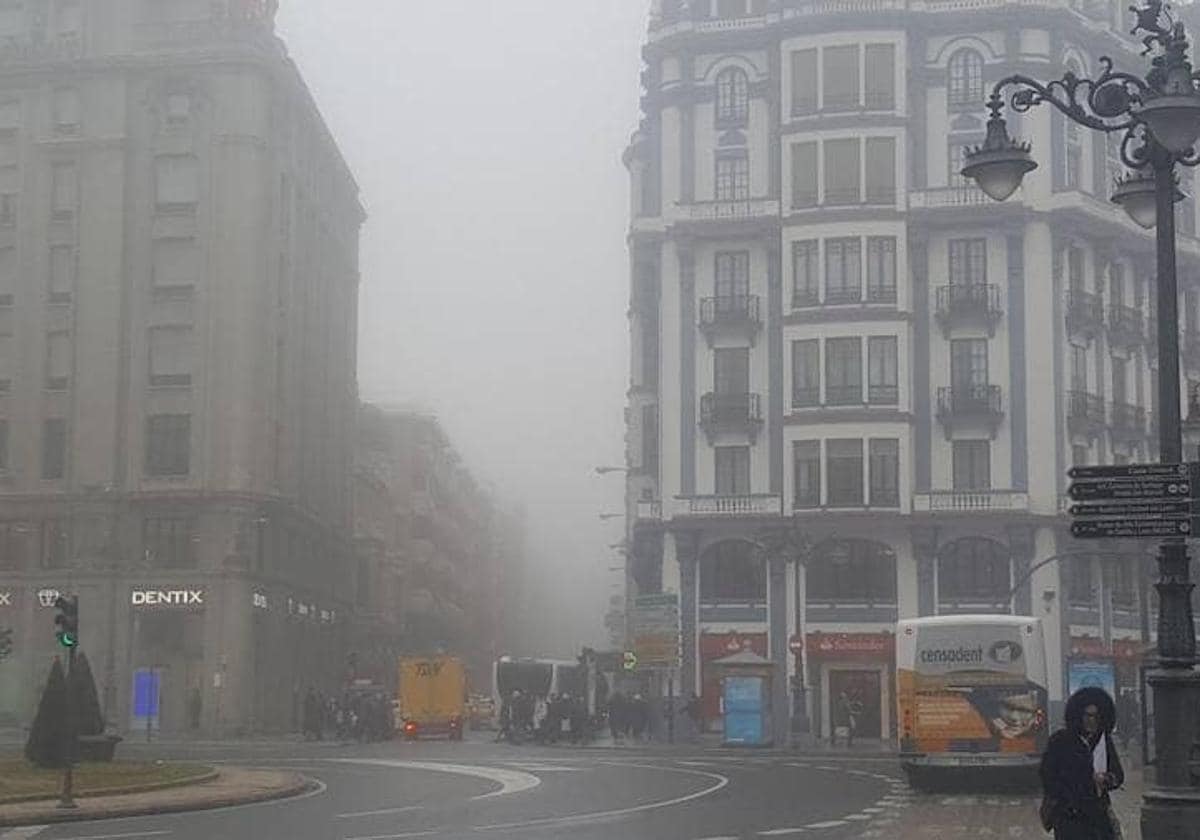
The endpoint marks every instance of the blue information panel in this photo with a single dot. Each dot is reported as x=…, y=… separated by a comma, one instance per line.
x=744, y=711
x=146, y=697
x=1092, y=674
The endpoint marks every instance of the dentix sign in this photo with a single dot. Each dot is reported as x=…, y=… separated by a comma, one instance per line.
x=167, y=597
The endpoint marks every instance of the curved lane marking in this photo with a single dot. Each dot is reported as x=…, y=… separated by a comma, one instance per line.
x=510, y=781
x=720, y=782
x=378, y=813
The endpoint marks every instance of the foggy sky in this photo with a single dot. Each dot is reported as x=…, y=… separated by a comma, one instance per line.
x=486, y=138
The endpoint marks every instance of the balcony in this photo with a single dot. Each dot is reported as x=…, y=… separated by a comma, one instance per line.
x=974, y=304
x=1085, y=314
x=840, y=297
x=952, y=197
x=730, y=413
x=756, y=504
x=1125, y=327
x=970, y=501
x=1085, y=414
x=1127, y=423
x=735, y=315
x=736, y=210
x=649, y=510
x=969, y=405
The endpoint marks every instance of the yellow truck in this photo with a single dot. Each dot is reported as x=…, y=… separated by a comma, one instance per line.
x=432, y=697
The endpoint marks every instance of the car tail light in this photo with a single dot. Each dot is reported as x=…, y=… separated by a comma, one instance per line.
x=410, y=727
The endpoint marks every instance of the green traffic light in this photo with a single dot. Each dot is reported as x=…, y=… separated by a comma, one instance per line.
x=68, y=640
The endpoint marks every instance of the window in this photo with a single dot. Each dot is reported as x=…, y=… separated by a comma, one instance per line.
x=845, y=459
x=968, y=364
x=804, y=82
x=62, y=274
x=880, y=165
x=1120, y=380
x=852, y=571
x=3, y=445
x=8, y=209
x=884, y=470
x=58, y=360
x=1081, y=589
x=177, y=183
x=168, y=444
x=732, y=470
x=731, y=8
x=178, y=108
x=1124, y=584
x=66, y=111
x=843, y=270
x=1075, y=269
x=972, y=464
x=843, y=371
x=650, y=353
x=56, y=544
x=806, y=273
x=732, y=275
x=168, y=543
x=8, y=362
x=10, y=114
x=806, y=471
x=650, y=439
x=54, y=448
x=15, y=538
x=806, y=373
x=176, y=263
x=968, y=262
x=883, y=387
x=965, y=83
x=1079, y=456
x=171, y=354
x=8, y=153
x=841, y=171
x=1079, y=374
x=64, y=201
x=956, y=160
x=733, y=177
x=1116, y=283
x=881, y=269
x=731, y=572
x=733, y=97
x=974, y=570
x=879, y=76
x=841, y=78
x=731, y=370
x=8, y=275
x=804, y=174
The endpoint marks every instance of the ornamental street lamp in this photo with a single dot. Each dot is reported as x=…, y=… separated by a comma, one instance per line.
x=1158, y=116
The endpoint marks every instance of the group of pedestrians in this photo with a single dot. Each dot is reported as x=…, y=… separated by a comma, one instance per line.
x=362, y=717
x=628, y=717
x=544, y=720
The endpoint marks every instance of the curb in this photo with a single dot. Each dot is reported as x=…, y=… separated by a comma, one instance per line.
x=298, y=785
x=150, y=787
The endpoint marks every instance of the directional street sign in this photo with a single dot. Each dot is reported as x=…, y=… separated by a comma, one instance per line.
x=1136, y=471
x=1139, y=509
x=1096, y=529
x=1083, y=491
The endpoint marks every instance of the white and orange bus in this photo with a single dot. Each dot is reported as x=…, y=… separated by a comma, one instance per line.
x=971, y=693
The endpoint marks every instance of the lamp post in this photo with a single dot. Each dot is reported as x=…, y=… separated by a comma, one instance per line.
x=1158, y=116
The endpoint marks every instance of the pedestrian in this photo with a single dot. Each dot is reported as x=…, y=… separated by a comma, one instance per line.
x=578, y=717
x=312, y=716
x=841, y=718
x=1079, y=769
x=506, y=717
x=695, y=714
x=616, y=715
x=639, y=717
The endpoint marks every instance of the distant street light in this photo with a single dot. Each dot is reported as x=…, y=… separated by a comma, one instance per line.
x=607, y=470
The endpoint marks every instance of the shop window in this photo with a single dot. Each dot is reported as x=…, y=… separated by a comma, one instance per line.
x=852, y=571
x=731, y=572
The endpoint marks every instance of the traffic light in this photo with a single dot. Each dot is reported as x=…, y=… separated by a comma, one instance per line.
x=67, y=621
x=6, y=644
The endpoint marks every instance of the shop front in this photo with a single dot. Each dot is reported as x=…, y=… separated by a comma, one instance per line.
x=853, y=671
x=1114, y=667
x=714, y=646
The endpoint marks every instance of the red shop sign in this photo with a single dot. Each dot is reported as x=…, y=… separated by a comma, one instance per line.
x=851, y=644
x=1094, y=647
x=717, y=645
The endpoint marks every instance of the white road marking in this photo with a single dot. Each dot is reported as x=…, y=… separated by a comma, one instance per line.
x=860, y=816
x=880, y=810
x=696, y=763
x=23, y=833
x=119, y=836
x=379, y=812
x=826, y=824
x=545, y=768
x=394, y=836
x=721, y=781
x=774, y=832
x=510, y=781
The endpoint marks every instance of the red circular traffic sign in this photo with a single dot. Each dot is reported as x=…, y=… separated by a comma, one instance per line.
x=796, y=644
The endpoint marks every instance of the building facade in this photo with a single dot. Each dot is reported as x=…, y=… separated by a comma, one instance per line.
x=178, y=304
x=857, y=384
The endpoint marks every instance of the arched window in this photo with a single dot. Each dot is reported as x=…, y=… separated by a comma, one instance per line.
x=975, y=571
x=732, y=572
x=733, y=97
x=852, y=571
x=966, y=78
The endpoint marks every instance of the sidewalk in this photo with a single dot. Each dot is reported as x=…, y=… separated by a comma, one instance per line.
x=232, y=786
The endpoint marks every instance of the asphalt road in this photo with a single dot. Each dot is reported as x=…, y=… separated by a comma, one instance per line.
x=481, y=791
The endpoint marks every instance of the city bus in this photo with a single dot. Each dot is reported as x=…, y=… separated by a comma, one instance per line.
x=539, y=677
x=971, y=694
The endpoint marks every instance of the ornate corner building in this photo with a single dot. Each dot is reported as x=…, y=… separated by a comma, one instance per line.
x=178, y=299
x=837, y=340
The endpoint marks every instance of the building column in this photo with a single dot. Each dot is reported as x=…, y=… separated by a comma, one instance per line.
x=1020, y=550
x=777, y=618
x=687, y=551
x=924, y=545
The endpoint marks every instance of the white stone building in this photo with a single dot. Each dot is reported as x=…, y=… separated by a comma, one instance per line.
x=832, y=334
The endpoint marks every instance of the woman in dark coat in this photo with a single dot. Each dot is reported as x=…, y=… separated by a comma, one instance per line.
x=1080, y=767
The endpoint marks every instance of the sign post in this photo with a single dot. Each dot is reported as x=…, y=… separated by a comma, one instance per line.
x=1134, y=501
